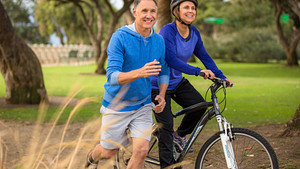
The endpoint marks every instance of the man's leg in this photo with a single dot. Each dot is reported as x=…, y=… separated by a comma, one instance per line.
x=99, y=153
x=140, y=128
x=113, y=128
x=103, y=153
x=139, y=153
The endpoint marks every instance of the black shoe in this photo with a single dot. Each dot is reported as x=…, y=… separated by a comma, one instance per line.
x=90, y=163
x=180, y=143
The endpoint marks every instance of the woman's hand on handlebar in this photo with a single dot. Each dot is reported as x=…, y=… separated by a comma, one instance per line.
x=230, y=83
x=207, y=74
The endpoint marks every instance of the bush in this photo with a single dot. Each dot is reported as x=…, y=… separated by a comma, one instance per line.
x=213, y=48
x=249, y=45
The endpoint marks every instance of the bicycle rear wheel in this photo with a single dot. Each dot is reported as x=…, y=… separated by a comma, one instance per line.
x=251, y=150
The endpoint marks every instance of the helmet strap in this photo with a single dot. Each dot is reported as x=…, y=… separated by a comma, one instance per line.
x=182, y=21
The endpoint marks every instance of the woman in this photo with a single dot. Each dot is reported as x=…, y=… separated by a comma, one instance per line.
x=182, y=40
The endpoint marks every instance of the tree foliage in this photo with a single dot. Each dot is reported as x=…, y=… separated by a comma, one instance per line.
x=241, y=14
x=208, y=8
x=19, y=15
x=90, y=15
x=65, y=21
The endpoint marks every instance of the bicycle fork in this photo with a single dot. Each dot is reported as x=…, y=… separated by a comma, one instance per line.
x=226, y=138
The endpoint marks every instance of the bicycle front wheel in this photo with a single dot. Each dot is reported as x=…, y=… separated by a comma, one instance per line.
x=250, y=149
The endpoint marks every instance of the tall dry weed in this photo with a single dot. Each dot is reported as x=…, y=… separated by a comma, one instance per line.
x=54, y=146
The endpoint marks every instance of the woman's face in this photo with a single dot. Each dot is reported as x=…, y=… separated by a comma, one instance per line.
x=188, y=12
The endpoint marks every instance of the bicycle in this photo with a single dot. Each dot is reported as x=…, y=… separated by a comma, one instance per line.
x=229, y=148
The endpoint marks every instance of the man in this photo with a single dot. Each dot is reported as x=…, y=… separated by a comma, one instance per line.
x=135, y=53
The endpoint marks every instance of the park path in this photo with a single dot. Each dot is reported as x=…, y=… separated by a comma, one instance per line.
x=18, y=140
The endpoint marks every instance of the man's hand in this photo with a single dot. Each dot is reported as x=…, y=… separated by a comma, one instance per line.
x=149, y=69
x=161, y=104
x=208, y=74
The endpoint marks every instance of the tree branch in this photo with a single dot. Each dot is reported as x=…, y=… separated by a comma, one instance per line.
x=126, y=5
x=85, y=21
x=278, y=11
x=99, y=19
x=295, y=7
x=91, y=18
x=110, y=7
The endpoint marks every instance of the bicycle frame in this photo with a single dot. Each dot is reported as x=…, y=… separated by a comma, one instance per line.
x=223, y=139
x=214, y=111
x=222, y=123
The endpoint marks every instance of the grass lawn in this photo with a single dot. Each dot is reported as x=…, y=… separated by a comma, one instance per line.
x=263, y=93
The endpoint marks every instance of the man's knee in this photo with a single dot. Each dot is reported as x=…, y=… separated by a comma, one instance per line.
x=141, y=151
x=140, y=147
x=107, y=153
x=104, y=153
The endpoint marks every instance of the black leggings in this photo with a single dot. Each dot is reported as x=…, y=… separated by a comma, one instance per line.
x=185, y=95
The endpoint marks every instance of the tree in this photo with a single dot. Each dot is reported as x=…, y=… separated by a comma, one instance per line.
x=92, y=19
x=288, y=41
x=241, y=14
x=206, y=9
x=164, y=14
x=116, y=15
x=19, y=15
x=65, y=21
x=19, y=66
x=293, y=126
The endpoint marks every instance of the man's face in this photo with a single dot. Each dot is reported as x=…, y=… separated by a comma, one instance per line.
x=145, y=14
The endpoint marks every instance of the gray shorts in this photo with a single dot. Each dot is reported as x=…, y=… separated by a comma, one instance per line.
x=114, y=125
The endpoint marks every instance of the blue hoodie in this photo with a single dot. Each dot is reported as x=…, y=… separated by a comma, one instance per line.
x=127, y=51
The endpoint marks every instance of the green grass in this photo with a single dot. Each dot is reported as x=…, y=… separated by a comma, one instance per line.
x=263, y=93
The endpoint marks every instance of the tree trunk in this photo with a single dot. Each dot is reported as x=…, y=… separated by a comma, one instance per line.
x=290, y=47
x=111, y=28
x=101, y=61
x=19, y=66
x=293, y=126
x=164, y=14
x=128, y=17
x=292, y=59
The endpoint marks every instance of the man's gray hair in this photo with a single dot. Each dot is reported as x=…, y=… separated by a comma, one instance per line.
x=137, y=2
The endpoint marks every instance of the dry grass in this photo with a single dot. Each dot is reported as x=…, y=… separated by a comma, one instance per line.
x=41, y=152
x=53, y=150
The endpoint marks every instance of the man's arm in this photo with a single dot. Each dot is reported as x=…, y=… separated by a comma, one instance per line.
x=149, y=69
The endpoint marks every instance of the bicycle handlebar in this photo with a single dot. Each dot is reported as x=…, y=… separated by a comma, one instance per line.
x=224, y=82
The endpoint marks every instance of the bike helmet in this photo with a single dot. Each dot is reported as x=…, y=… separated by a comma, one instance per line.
x=176, y=3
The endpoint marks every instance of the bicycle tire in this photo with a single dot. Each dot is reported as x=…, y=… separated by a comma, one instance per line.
x=251, y=150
